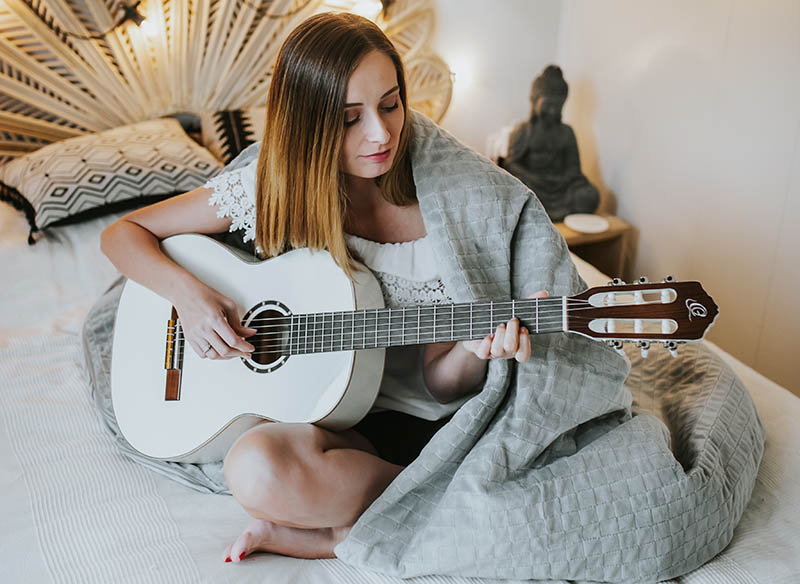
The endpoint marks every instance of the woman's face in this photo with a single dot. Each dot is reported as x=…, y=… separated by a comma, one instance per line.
x=373, y=118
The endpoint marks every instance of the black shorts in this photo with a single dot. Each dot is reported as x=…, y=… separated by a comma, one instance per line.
x=398, y=437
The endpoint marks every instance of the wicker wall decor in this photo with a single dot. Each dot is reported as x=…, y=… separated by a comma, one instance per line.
x=190, y=56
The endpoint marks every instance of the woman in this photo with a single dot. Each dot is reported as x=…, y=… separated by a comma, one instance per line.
x=333, y=173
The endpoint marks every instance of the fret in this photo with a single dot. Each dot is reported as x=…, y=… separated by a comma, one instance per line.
x=471, y=332
x=452, y=319
x=353, y=333
x=364, y=329
x=341, y=342
x=418, y=323
x=346, y=343
x=491, y=316
x=376, y=327
x=389, y=330
x=331, y=333
x=537, y=315
x=403, y=325
x=434, y=323
x=291, y=330
x=322, y=333
x=513, y=309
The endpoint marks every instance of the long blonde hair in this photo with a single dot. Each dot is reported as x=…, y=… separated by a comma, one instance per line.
x=300, y=199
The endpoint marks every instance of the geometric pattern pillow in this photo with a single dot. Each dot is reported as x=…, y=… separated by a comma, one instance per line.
x=121, y=168
x=227, y=133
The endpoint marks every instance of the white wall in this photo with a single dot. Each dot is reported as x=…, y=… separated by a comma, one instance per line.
x=689, y=113
x=495, y=49
x=688, y=119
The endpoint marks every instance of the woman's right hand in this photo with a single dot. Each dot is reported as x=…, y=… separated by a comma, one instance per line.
x=212, y=326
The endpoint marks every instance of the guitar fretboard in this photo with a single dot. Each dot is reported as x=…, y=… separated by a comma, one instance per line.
x=390, y=327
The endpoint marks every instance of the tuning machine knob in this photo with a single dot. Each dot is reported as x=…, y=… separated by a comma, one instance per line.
x=644, y=346
x=668, y=279
x=617, y=282
x=617, y=346
x=643, y=280
x=672, y=347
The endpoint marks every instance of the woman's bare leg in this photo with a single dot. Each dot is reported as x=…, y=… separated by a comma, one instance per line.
x=305, y=486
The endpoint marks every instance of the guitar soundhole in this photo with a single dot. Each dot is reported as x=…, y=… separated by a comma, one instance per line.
x=272, y=336
x=272, y=319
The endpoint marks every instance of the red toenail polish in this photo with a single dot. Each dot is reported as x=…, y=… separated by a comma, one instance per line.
x=227, y=559
x=240, y=557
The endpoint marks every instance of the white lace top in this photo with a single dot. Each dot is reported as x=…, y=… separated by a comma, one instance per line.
x=407, y=273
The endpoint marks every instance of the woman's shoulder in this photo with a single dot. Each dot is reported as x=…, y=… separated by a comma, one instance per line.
x=233, y=193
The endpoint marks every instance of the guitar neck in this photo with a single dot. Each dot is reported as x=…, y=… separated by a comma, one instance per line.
x=392, y=327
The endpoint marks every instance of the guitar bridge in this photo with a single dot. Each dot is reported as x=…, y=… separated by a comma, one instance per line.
x=173, y=359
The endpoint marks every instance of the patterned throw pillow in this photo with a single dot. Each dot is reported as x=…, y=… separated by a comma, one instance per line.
x=88, y=176
x=227, y=133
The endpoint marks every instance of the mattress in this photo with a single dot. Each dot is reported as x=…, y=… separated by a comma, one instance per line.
x=76, y=510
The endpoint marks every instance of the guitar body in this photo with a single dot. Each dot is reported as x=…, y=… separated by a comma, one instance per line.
x=218, y=400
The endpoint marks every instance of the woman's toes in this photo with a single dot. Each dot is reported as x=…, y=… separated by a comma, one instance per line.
x=254, y=538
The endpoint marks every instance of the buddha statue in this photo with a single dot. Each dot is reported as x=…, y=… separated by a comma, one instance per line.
x=543, y=152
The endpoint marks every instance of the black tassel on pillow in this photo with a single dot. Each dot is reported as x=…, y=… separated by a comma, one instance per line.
x=12, y=196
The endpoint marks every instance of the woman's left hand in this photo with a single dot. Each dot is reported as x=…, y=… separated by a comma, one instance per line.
x=508, y=341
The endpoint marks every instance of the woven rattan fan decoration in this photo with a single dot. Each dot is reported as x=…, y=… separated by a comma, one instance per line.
x=194, y=56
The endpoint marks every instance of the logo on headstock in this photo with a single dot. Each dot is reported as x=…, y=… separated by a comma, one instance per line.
x=695, y=308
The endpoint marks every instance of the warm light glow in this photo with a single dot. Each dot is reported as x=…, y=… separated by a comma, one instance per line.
x=367, y=8
x=149, y=28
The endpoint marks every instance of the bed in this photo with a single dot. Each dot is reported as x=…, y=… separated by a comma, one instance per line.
x=74, y=509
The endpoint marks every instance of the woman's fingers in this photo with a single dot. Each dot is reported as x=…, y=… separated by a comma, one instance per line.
x=484, y=350
x=221, y=349
x=511, y=341
x=234, y=344
x=497, y=342
x=524, y=351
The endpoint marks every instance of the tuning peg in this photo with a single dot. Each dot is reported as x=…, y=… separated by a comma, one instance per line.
x=617, y=282
x=617, y=346
x=643, y=280
x=668, y=279
x=644, y=346
x=672, y=347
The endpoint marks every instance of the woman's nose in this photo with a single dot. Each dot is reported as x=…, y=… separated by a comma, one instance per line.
x=376, y=130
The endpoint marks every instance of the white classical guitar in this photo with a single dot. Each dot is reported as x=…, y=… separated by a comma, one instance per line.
x=319, y=349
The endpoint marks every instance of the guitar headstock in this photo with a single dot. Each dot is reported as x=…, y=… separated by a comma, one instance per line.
x=669, y=312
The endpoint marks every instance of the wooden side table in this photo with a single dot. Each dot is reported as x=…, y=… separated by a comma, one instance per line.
x=607, y=251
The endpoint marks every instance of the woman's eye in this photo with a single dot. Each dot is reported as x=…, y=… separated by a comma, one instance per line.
x=351, y=122
x=391, y=107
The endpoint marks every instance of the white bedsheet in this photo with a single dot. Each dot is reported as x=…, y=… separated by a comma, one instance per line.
x=75, y=510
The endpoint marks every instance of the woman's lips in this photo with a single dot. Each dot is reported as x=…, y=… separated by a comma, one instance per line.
x=380, y=156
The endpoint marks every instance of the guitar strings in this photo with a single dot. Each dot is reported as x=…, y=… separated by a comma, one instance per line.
x=370, y=314
x=323, y=338
x=371, y=321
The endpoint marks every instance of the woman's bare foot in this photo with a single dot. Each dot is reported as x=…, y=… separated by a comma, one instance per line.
x=266, y=536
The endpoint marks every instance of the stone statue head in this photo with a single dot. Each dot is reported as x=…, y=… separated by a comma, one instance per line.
x=548, y=94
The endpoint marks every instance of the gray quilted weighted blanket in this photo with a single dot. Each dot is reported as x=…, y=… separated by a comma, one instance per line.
x=559, y=468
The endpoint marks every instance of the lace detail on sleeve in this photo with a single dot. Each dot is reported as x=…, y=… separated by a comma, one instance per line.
x=398, y=291
x=234, y=200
